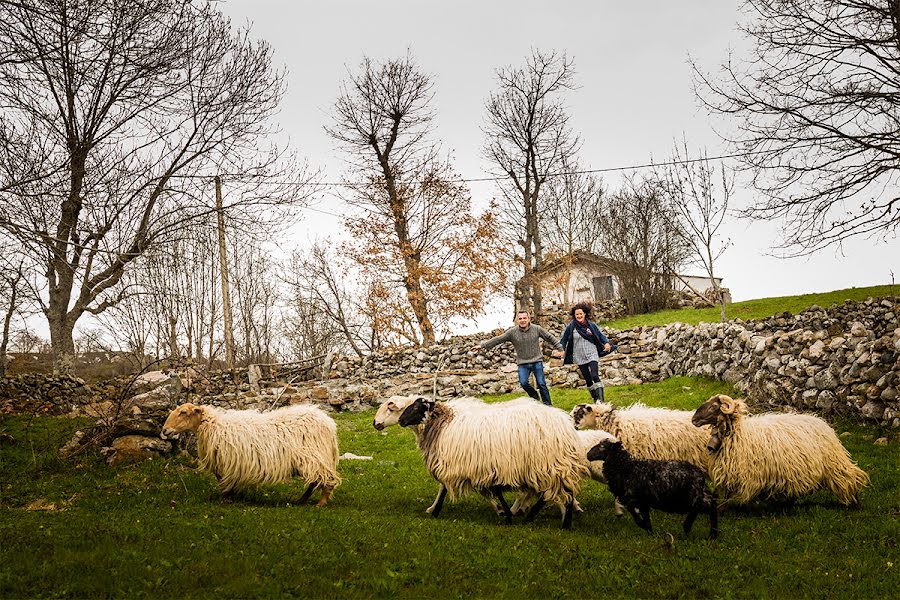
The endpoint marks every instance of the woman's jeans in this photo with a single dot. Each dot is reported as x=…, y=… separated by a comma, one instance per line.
x=525, y=370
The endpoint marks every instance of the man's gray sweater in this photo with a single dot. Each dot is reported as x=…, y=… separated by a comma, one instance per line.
x=525, y=341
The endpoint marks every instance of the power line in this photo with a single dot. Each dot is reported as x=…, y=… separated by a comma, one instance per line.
x=503, y=177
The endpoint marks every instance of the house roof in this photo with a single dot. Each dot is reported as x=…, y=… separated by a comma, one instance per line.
x=581, y=256
x=612, y=266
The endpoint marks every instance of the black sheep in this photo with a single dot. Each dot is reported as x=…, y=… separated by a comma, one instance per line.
x=673, y=486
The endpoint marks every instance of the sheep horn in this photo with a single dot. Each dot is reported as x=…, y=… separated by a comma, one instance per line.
x=726, y=404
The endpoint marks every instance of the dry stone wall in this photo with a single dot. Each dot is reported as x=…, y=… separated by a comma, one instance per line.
x=844, y=359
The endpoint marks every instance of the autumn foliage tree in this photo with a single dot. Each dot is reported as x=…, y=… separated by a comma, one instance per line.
x=458, y=255
x=413, y=229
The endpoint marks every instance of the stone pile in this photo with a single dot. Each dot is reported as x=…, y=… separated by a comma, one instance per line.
x=43, y=394
x=842, y=360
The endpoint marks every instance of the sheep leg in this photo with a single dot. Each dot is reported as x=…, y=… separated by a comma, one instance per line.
x=523, y=499
x=326, y=495
x=307, y=493
x=498, y=493
x=689, y=522
x=535, y=509
x=567, y=518
x=641, y=516
x=435, y=508
x=646, y=511
x=636, y=515
x=713, y=522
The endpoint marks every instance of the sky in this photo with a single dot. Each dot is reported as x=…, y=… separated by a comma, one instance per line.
x=634, y=100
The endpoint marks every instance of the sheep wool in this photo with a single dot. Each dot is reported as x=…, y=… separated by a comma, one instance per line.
x=774, y=455
x=520, y=444
x=648, y=432
x=245, y=448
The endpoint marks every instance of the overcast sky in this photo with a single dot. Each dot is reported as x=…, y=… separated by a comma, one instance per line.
x=634, y=99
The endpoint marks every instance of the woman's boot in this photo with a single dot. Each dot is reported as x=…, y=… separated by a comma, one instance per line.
x=596, y=391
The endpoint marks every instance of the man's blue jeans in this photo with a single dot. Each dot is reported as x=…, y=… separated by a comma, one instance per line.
x=525, y=370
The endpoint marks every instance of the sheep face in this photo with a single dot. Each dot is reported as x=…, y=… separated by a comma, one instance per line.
x=603, y=450
x=416, y=413
x=708, y=413
x=718, y=411
x=186, y=417
x=584, y=417
x=389, y=412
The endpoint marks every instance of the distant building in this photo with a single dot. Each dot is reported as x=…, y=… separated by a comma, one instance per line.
x=586, y=276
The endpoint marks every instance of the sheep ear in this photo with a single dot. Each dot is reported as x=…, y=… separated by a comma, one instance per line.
x=196, y=410
x=391, y=405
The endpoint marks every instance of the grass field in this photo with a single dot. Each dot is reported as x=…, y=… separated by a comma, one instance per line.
x=160, y=529
x=754, y=309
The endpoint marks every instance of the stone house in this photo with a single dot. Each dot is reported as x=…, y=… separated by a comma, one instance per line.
x=587, y=276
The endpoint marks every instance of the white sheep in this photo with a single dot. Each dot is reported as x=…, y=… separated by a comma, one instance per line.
x=388, y=414
x=648, y=432
x=781, y=456
x=514, y=445
x=244, y=448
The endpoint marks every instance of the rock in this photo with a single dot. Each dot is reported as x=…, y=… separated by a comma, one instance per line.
x=872, y=410
x=882, y=441
x=135, y=448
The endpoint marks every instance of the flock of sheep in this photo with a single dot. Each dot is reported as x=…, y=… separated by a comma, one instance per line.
x=649, y=457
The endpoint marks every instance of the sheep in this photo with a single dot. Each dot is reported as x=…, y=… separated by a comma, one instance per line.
x=780, y=456
x=244, y=448
x=388, y=414
x=674, y=486
x=519, y=446
x=648, y=432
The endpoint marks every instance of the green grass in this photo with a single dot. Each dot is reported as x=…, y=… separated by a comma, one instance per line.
x=753, y=309
x=160, y=529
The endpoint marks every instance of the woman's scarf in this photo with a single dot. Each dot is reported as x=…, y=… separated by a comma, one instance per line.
x=584, y=330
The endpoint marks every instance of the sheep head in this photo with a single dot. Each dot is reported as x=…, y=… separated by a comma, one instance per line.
x=417, y=412
x=390, y=410
x=709, y=412
x=719, y=411
x=605, y=449
x=585, y=415
x=186, y=417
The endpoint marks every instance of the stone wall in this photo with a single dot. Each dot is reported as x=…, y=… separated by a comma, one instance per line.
x=844, y=359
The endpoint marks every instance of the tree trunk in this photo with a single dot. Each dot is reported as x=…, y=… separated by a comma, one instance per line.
x=226, y=292
x=61, y=340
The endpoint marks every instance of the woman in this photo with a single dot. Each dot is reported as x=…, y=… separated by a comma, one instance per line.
x=584, y=344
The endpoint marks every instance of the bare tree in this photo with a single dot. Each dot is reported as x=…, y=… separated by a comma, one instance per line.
x=569, y=207
x=317, y=280
x=11, y=280
x=817, y=106
x=701, y=205
x=112, y=109
x=528, y=138
x=645, y=244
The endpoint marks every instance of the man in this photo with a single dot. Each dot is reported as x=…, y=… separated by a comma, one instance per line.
x=526, y=339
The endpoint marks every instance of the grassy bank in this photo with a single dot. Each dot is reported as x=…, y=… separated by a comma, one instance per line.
x=755, y=309
x=159, y=529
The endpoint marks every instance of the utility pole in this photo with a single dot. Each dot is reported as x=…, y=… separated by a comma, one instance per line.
x=226, y=290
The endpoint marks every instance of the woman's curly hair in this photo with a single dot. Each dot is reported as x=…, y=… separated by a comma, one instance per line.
x=585, y=306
